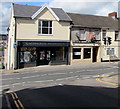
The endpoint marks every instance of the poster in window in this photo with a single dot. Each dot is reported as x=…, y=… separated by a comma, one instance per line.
x=26, y=57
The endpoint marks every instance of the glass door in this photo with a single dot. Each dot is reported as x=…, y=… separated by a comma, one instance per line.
x=44, y=56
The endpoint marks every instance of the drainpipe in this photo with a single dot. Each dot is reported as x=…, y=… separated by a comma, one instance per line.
x=15, y=48
x=69, y=61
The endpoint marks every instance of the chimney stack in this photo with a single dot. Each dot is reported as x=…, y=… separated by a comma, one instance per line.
x=113, y=15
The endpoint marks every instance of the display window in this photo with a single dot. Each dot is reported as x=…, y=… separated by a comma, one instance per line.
x=27, y=55
x=76, y=53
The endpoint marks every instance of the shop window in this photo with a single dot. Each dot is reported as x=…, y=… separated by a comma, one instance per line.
x=76, y=53
x=87, y=53
x=27, y=55
x=45, y=27
x=110, y=51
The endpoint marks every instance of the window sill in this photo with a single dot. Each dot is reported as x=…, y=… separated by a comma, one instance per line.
x=45, y=34
x=116, y=40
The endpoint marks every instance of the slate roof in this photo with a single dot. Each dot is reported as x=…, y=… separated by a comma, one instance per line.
x=93, y=21
x=26, y=11
x=81, y=20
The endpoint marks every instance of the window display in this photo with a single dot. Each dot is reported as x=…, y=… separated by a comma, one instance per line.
x=27, y=55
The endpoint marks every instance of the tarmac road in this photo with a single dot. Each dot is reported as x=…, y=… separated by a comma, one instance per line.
x=62, y=86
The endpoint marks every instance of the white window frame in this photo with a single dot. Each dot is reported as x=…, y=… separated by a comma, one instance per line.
x=41, y=27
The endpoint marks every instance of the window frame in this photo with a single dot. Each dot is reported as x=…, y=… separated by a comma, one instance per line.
x=84, y=57
x=41, y=27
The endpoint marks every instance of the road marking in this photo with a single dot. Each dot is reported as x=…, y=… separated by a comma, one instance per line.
x=85, y=77
x=16, y=100
x=99, y=79
x=31, y=76
x=60, y=84
x=8, y=79
x=56, y=73
x=19, y=101
x=43, y=81
x=96, y=76
x=4, y=85
x=43, y=75
x=71, y=72
x=72, y=77
x=16, y=83
x=60, y=79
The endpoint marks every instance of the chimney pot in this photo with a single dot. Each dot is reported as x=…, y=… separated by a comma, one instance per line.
x=113, y=15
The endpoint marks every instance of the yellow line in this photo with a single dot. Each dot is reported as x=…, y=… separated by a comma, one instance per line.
x=19, y=101
x=99, y=79
x=15, y=101
x=14, y=98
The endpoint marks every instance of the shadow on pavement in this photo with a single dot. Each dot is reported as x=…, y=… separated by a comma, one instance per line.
x=69, y=96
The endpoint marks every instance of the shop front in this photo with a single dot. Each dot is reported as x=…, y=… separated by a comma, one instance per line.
x=42, y=53
x=85, y=54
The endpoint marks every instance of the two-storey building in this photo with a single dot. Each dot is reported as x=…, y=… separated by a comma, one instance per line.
x=87, y=38
x=38, y=36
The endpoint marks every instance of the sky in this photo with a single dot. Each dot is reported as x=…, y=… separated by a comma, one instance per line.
x=94, y=7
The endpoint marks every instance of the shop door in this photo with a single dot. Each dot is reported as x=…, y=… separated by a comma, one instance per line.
x=43, y=57
x=95, y=51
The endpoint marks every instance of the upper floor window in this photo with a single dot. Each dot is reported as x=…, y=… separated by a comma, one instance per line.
x=45, y=27
x=103, y=33
x=116, y=35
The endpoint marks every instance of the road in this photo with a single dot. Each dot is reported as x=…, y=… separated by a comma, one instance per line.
x=53, y=86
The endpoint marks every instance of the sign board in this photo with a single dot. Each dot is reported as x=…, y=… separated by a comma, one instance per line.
x=43, y=44
x=15, y=45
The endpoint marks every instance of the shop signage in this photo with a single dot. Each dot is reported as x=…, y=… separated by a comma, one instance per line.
x=43, y=44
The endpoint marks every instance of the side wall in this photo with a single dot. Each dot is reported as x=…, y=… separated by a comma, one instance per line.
x=11, y=37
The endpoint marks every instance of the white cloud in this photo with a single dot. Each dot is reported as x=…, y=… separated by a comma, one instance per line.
x=4, y=17
x=97, y=7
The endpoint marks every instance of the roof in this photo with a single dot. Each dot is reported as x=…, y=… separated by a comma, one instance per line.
x=27, y=11
x=93, y=21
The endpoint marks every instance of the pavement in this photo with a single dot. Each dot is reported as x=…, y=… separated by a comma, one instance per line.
x=110, y=80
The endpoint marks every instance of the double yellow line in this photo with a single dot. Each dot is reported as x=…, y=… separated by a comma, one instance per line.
x=16, y=100
x=100, y=80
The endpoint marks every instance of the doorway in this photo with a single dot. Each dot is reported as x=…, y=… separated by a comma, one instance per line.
x=43, y=56
x=95, y=52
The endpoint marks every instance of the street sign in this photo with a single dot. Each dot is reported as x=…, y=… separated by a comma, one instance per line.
x=15, y=45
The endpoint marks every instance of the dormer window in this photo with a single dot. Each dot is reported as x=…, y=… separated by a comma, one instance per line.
x=45, y=27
